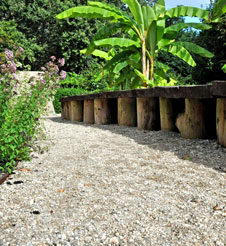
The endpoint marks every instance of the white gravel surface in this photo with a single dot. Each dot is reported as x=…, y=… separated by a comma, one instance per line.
x=113, y=185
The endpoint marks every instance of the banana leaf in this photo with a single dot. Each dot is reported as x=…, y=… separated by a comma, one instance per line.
x=111, y=7
x=187, y=11
x=180, y=52
x=136, y=11
x=219, y=9
x=120, y=57
x=194, y=48
x=105, y=32
x=161, y=65
x=164, y=42
x=98, y=53
x=172, y=31
x=117, y=43
x=120, y=66
x=90, y=12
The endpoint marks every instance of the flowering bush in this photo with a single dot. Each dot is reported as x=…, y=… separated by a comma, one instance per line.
x=22, y=103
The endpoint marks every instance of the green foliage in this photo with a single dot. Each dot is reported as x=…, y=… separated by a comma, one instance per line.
x=215, y=40
x=22, y=103
x=148, y=35
x=45, y=36
x=64, y=92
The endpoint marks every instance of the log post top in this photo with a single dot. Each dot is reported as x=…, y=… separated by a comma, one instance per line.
x=212, y=90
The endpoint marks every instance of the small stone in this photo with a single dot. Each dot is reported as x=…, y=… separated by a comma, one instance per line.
x=114, y=240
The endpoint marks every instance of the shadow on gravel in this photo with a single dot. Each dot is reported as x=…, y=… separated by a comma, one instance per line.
x=200, y=151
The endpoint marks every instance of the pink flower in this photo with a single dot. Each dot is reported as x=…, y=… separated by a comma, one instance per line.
x=9, y=54
x=53, y=58
x=21, y=50
x=12, y=66
x=63, y=75
x=61, y=61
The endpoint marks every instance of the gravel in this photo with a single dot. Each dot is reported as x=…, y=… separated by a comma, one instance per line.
x=115, y=185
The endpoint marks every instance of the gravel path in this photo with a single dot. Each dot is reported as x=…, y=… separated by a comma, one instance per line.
x=112, y=185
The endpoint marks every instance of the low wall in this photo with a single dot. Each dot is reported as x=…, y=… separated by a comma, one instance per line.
x=195, y=111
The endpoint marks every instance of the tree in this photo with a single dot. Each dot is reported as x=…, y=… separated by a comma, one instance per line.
x=147, y=29
x=215, y=40
x=47, y=36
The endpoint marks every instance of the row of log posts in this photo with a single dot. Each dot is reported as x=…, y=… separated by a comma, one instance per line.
x=149, y=114
x=192, y=117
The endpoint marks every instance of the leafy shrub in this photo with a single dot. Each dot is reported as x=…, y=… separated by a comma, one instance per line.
x=22, y=103
x=63, y=92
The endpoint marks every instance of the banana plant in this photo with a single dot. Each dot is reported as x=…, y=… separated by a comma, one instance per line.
x=148, y=34
x=219, y=9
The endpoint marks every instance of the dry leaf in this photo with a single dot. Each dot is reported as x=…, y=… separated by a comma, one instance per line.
x=24, y=169
x=215, y=207
x=186, y=157
x=61, y=190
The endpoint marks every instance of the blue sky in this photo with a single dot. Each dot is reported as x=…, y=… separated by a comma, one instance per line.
x=193, y=3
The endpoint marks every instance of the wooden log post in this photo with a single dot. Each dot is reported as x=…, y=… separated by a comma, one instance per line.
x=102, y=111
x=192, y=123
x=221, y=121
x=65, y=113
x=88, y=112
x=167, y=114
x=63, y=110
x=127, y=112
x=148, y=113
x=76, y=110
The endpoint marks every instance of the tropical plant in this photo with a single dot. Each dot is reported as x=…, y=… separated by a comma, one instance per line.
x=219, y=9
x=146, y=34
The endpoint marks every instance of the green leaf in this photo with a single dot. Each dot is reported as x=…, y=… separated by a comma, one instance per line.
x=88, y=12
x=136, y=82
x=118, y=58
x=148, y=16
x=160, y=29
x=105, y=32
x=98, y=53
x=161, y=73
x=164, y=42
x=177, y=27
x=136, y=11
x=187, y=11
x=120, y=66
x=194, y=48
x=160, y=8
x=117, y=42
x=144, y=78
x=224, y=68
x=219, y=8
x=161, y=65
x=111, y=7
x=180, y=52
x=152, y=38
